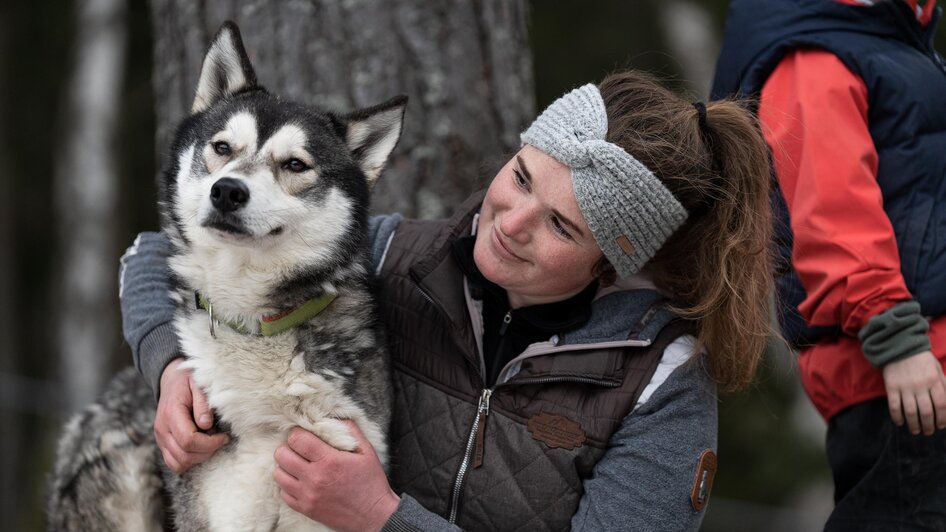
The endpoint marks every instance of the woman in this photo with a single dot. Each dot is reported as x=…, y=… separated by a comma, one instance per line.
x=557, y=346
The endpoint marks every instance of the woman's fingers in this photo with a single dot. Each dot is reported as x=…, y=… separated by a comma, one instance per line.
x=203, y=416
x=181, y=441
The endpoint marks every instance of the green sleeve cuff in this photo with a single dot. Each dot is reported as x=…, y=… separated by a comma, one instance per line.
x=896, y=333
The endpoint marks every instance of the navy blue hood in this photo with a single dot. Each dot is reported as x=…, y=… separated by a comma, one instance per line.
x=778, y=26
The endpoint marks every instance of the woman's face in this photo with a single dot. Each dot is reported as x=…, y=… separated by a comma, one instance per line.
x=532, y=239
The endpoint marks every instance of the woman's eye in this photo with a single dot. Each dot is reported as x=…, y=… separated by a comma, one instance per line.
x=222, y=148
x=520, y=181
x=560, y=229
x=295, y=165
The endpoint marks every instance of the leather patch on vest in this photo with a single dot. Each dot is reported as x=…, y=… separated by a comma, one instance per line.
x=556, y=432
x=703, y=481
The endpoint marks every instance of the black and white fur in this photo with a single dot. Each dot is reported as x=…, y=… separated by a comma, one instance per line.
x=265, y=202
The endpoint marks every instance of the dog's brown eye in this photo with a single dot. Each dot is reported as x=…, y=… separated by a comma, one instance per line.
x=221, y=148
x=295, y=165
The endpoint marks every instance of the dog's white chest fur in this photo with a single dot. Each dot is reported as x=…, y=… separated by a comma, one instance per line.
x=260, y=387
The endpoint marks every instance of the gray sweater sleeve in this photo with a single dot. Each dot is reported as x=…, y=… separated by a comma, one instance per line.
x=644, y=479
x=380, y=231
x=410, y=516
x=147, y=309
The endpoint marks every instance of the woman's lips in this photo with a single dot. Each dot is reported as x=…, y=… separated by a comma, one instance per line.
x=502, y=249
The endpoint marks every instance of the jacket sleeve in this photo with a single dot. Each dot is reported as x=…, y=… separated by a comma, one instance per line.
x=411, y=516
x=147, y=308
x=380, y=231
x=813, y=112
x=644, y=479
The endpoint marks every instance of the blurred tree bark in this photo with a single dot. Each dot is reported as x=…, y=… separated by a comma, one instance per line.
x=10, y=448
x=11, y=455
x=10, y=444
x=692, y=38
x=85, y=190
x=466, y=67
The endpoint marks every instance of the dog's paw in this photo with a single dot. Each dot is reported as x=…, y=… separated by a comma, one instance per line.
x=298, y=388
x=335, y=433
x=300, y=381
x=297, y=364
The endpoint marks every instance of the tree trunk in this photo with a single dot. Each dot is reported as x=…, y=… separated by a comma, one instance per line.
x=10, y=443
x=692, y=38
x=11, y=455
x=466, y=67
x=85, y=189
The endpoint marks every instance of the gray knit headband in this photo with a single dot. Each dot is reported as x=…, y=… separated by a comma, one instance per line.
x=629, y=211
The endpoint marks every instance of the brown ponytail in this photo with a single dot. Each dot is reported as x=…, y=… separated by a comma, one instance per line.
x=717, y=266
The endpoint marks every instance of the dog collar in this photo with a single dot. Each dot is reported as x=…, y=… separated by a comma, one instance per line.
x=271, y=325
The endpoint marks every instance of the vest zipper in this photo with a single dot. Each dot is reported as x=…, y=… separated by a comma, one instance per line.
x=938, y=60
x=477, y=440
x=424, y=293
x=490, y=380
x=502, y=340
x=905, y=19
x=430, y=299
x=563, y=378
x=506, y=319
x=474, y=441
x=927, y=39
x=935, y=57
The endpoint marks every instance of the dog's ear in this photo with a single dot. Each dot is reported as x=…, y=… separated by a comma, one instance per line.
x=372, y=133
x=226, y=69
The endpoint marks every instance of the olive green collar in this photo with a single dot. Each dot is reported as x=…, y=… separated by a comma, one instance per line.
x=270, y=325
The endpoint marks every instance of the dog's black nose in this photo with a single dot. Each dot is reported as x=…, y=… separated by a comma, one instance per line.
x=229, y=194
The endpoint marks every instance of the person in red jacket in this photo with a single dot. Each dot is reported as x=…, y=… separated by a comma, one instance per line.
x=814, y=115
x=833, y=109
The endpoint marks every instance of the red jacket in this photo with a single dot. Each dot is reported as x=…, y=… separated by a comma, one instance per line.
x=813, y=111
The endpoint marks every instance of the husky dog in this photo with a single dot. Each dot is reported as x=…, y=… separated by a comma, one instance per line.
x=265, y=202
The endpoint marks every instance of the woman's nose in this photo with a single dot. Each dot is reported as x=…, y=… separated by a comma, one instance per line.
x=516, y=223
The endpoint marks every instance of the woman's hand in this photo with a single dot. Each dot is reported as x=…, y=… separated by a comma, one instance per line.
x=344, y=490
x=916, y=390
x=180, y=439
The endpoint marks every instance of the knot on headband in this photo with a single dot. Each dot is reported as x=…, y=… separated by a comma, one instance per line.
x=572, y=139
x=629, y=211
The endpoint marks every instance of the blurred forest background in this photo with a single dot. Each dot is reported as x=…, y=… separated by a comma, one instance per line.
x=89, y=90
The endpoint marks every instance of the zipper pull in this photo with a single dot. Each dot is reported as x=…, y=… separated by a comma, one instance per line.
x=482, y=412
x=506, y=319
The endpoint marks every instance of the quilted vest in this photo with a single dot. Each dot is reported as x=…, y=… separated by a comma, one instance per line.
x=906, y=82
x=512, y=457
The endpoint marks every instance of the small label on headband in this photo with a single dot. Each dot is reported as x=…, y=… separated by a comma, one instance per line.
x=626, y=245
